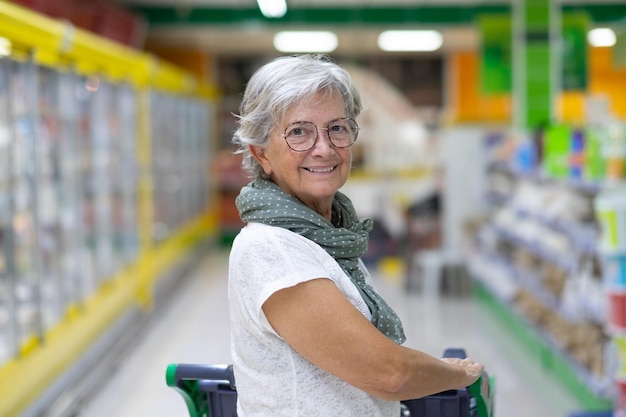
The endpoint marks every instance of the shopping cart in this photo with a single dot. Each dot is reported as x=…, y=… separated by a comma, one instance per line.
x=210, y=391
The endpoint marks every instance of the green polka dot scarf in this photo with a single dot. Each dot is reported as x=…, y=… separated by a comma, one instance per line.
x=262, y=201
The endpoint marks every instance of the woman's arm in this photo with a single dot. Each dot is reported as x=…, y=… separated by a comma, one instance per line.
x=317, y=320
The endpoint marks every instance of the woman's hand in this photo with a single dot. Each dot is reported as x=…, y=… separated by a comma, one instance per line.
x=473, y=370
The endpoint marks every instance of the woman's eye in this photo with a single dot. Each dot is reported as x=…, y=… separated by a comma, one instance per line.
x=299, y=131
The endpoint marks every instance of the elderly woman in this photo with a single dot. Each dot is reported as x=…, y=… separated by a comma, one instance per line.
x=310, y=334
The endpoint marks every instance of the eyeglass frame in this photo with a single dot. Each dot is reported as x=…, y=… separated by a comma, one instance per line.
x=317, y=133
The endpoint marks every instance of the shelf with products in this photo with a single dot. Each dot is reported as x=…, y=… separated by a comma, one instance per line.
x=610, y=207
x=580, y=344
x=537, y=249
x=592, y=392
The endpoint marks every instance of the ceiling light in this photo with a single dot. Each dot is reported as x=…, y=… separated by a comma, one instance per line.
x=410, y=40
x=305, y=41
x=601, y=37
x=5, y=47
x=273, y=8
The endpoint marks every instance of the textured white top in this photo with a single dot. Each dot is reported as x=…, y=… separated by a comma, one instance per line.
x=272, y=379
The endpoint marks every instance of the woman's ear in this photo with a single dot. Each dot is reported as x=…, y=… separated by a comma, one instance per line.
x=259, y=154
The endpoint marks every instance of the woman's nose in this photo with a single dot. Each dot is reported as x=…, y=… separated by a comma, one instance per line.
x=323, y=139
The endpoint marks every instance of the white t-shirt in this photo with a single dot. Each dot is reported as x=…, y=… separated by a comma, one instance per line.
x=272, y=379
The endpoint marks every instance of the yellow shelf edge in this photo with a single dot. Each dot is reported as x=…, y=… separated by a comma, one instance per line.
x=59, y=43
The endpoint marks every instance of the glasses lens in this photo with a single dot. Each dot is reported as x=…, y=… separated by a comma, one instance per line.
x=343, y=132
x=301, y=136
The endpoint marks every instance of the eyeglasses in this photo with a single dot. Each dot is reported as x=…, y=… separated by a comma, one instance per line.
x=302, y=136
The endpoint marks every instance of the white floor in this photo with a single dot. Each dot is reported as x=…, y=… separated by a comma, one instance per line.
x=194, y=328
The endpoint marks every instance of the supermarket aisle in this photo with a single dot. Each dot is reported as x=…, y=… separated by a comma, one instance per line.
x=194, y=328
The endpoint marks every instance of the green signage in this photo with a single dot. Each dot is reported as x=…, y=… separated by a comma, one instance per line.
x=574, y=41
x=496, y=62
x=497, y=49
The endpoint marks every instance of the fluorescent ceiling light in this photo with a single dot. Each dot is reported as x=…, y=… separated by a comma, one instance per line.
x=5, y=47
x=601, y=37
x=273, y=8
x=305, y=41
x=410, y=40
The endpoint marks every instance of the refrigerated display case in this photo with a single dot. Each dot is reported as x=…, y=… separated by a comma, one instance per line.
x=180, y=155
x=200, y=115
x=8, y=326
x=124, y=173
x=69, y=209
x=28, y=289
x=41, y=276
x=202, y=151
x=162, y=117
x=54, y=297
x=108, y=173
x=101, y=139
x=104, y=191
x=87, y=252
x=72, y=227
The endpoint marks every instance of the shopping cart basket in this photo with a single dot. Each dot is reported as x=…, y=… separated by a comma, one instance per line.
x=210, y=391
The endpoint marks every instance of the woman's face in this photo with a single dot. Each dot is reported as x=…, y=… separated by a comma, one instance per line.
x=315, y=175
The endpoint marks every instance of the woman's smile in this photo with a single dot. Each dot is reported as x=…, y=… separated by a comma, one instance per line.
x=321, y=170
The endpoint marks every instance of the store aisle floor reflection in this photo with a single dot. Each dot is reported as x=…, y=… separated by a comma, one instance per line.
x=194, y=328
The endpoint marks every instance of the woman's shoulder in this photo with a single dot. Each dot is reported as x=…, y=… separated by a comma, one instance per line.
x=261, y=246
x=259, y=233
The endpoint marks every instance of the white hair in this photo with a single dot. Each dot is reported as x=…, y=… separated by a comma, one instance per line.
x=278, y=85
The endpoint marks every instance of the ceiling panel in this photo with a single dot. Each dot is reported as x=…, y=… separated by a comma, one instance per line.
x=251, y=41
x=237, y=27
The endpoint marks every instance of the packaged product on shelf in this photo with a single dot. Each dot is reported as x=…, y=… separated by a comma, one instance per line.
x=615, y=151
x=556, y=151
x=594, y=167
x=614, y=270
x=610, y=207
x=617, y=310
x=577, y=155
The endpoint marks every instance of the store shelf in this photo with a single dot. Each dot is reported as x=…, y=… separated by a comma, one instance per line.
x=543, y=235
x=594, y=393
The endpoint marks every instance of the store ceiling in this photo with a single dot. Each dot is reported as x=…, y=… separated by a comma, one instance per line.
x=236, y=27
